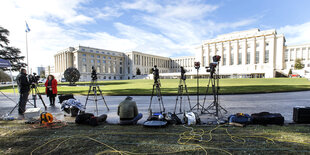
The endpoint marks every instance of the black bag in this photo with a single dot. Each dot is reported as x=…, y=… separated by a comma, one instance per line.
x=301, y=114
x=173, y=119
x=87, y=119
x=65, y=97
x=265, y=118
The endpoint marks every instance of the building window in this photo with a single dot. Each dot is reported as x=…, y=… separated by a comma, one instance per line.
x=84, y=55
x=248, y=57
x=120, y=63
x=257, y=45
x=84, y=68
x=231, y=57
x=97, y=51
x=102, y=52
x=92, y=61
x=121, y=70
x=103, y=57
x=98, y=56
x=239, y=58
x=256, y=57
x=291, y=55
x=109, y=57
x=286, y=55
x=98, y=69
x=98, y=61
x=92, y=56
x=103, y=61
x=108, y=53
x=267, y=56
x=84, y=59
x=224, y=59
x=83, y=49
x=103, y=69
x=304, y=55
x=128, y=70
x=267, y=43
x=91, y=50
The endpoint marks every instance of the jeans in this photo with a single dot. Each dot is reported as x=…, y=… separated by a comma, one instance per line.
x=23, y=98
x=131, y=122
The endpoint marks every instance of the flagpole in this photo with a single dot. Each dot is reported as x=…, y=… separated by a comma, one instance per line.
x=27, y=53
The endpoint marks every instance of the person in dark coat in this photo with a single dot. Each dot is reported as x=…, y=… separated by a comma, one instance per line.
x=51, y=89
x=23, y=88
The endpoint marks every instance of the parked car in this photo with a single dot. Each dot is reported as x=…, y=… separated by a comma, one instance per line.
x=42, y=80
x=294, y=76
x=63, y=80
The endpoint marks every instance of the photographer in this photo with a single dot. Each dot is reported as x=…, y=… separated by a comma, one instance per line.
x=23, y=88
x=183, y=71
x=51, y=89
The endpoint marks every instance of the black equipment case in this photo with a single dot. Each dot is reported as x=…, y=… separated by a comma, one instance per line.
x=301, y=114
x=65, y=97
x=265, y=118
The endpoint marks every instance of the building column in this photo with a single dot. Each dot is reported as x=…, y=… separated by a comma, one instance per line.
x=253, y=52
x=236, y=47
x=228, y=54
x=244, y=50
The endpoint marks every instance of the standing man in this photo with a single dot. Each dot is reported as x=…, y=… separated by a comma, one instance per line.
x=23, y=88
x=128, y=112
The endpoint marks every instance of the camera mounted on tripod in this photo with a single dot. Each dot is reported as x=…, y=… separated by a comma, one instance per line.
x=33, y=78
x=212, y=65
x=155, y=74
x=197, y=65
x=93, y=74
x=183, y=71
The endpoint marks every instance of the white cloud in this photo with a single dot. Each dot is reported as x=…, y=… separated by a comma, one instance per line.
x=296, y=34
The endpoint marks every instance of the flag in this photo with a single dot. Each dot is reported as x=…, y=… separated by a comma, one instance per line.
x=27, y=28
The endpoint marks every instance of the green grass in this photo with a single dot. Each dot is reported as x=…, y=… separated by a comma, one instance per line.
x=18, y=138
x=170, y=86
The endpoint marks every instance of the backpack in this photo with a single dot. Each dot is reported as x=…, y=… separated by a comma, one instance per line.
x=240, y=118
x=86, y=119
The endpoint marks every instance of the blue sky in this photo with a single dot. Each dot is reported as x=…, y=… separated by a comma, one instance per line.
x=167, y=28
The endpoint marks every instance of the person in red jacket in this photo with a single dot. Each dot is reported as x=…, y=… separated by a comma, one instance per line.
x=51, y=89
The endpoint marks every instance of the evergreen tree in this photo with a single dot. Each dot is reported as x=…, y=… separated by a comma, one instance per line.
x=298, y=64
x=10, y=53
x=4, y=77
x=138, y=71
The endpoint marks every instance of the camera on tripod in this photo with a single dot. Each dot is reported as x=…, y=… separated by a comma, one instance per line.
x=212, y=65
x=183, y=71
x=155, y=73
x=93, y=73
x=33, y=79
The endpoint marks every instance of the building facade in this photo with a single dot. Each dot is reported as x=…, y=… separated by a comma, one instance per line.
x=244, y=54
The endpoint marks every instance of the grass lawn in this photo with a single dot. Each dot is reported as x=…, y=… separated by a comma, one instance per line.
x=170, y=86
x=18, y=138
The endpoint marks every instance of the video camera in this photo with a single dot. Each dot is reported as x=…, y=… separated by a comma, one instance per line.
x=155, y=73
x=183, y=71
x=93, y=73
x=197, y=64
x=212, y=65
x=33, y=78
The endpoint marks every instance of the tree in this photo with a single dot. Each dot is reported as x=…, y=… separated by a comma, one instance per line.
x=151, y=71
x=138, y=72
x=10, y=53
x=298, y=64
x=4, y=77
x=72, y=75
x=290, y=72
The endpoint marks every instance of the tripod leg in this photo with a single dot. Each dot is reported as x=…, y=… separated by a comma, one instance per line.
x=161, y=100
x=158, y=97
x=103, y=98
x=152, y=97
x=176, y=102
x=181, y=98
x=37, y=92
x=189, y=101
x=87, y=95
x=207, y=90
x=96, y=102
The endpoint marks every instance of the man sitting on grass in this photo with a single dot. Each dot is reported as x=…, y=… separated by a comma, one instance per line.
x=128, y=112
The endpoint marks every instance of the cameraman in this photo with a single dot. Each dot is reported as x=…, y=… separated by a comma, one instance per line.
x=155, y=74
x=23, y=88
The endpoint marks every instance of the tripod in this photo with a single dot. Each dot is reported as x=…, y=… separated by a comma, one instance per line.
x=34, y=93
x=214, y=80
x=198, y=105
x=94, y=87
x=182, y=85
x=156, y=87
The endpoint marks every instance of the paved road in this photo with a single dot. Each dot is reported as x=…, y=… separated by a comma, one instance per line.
x=249, y=103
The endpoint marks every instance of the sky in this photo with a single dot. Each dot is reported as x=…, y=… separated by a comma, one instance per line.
x=161, y=27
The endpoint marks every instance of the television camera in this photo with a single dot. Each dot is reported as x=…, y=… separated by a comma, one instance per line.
x=93, y=74
x=183, y=71
x=155, y=73
x=212, y=65
x=33, y=79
